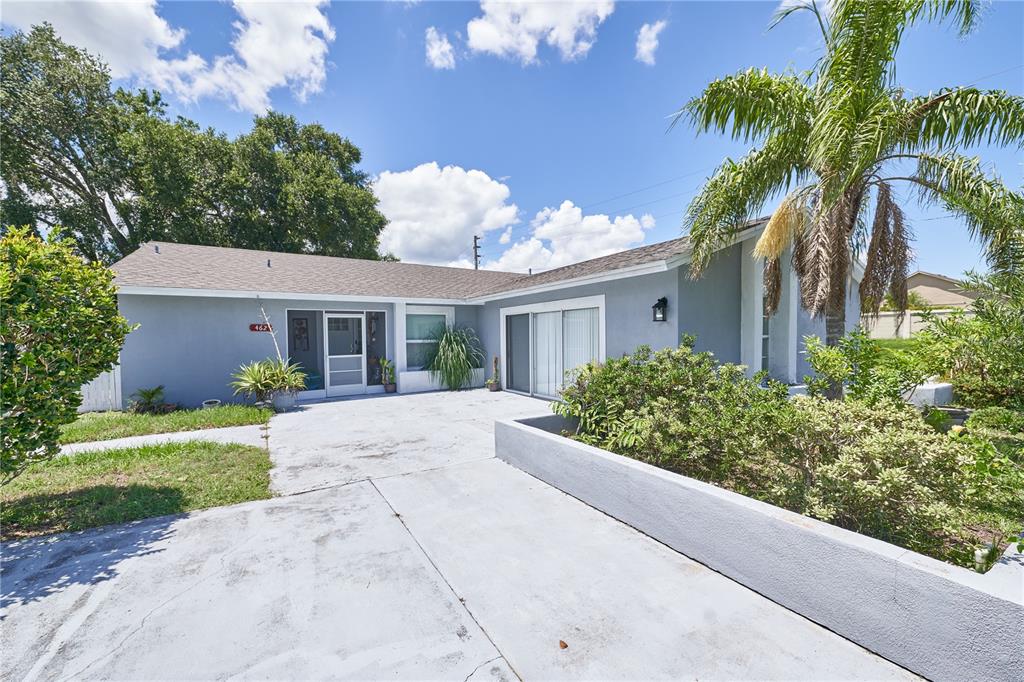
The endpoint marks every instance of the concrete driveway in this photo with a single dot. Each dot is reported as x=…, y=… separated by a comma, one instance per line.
x=413, y=554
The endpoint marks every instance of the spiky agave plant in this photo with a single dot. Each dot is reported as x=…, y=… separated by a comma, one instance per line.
x=835, y=141
x=454, y=357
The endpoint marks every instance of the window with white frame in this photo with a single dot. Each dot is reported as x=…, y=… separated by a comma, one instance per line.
x=422, y=325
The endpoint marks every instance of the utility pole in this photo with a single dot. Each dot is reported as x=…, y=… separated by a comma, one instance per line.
x=476, y=252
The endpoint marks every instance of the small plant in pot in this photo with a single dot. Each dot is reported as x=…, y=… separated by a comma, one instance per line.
x=494, y=383
x=270, y=381
x=387, y=374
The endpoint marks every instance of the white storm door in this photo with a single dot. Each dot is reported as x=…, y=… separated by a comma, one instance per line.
x=346, y=354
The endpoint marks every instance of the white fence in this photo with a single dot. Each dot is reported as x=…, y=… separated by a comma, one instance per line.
x=885, y=327
x=102, y=393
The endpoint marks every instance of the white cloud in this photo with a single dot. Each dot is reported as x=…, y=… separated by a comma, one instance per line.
x=276, y=44
x=562, y=236
x=647, y=41
x=514, y=30
x=440, y=53
x=506, y=236
x=434, y=212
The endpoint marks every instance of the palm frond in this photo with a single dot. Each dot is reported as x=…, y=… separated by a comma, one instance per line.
x=963, y=117
x=738, y=189
x=993, y=214
x=787, y=221
x=750, y=104
x=772, y=285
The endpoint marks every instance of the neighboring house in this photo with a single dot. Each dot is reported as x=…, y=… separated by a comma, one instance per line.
x=939, y=291
x=200, y=315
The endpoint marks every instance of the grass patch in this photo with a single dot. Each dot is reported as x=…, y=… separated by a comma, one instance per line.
x=108, y=425
x=896, y=344
x=114, y=486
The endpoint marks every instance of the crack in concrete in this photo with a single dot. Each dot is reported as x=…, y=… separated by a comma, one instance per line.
x=443, y=577
x=496, y=658
x=142, y=623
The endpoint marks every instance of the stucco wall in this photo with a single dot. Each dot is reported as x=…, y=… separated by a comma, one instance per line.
x=808, y=326
x=708, y=307
x=192, y=345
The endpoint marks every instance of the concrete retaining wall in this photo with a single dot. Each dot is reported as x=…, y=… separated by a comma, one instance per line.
x=938, y=620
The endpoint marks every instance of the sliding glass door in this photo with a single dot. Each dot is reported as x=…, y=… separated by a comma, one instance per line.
x=543, y=348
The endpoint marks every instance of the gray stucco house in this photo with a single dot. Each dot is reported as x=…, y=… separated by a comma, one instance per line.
x=200, y=312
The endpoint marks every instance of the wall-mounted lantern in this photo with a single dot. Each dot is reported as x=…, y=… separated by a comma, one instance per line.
x=660, y=310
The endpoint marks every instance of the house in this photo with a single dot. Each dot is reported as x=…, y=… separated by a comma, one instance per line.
x=939, y=291
x=203, y=311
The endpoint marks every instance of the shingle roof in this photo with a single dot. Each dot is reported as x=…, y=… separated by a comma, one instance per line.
x=186, y=266
x=616, y=261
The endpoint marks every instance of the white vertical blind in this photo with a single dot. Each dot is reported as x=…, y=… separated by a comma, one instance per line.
x=579, y=338
x=547, y=351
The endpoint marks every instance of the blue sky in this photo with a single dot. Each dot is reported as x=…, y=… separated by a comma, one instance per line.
x=590, y=128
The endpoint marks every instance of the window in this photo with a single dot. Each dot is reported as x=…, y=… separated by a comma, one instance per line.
x=764, y=333
x=421, y=327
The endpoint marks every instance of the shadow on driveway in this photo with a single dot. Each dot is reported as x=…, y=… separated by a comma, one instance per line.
x=33, y=568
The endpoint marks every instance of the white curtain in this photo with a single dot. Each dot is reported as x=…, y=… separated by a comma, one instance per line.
x=579, y=338
x=547, y=347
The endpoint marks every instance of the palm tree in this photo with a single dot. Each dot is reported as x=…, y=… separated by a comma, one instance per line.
x=836, y=141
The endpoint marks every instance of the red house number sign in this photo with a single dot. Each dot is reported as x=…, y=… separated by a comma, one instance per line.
x=260, y=327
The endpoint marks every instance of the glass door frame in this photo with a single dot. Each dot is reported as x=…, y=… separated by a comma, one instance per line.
x=349, y=389
x=546, y=307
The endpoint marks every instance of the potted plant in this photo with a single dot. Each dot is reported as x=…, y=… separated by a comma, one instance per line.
x=494, y=383
x=387, y=373
x=273, y=381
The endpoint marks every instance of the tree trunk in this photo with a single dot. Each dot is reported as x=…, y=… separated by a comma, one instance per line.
x=835, y=328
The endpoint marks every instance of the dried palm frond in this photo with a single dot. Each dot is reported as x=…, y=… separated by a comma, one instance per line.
x=888, y=256
x=901, y=238
x=788, y=221
x=772, y=285
x=825, y=256
x=879, y=265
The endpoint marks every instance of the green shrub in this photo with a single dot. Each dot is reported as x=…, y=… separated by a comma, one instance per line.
x=59, y=329
x=982, y=356
x=872, y=467
x=148, y=400
x=997, y=418
x=869, y=372
x=263, y=379
x=453, y=358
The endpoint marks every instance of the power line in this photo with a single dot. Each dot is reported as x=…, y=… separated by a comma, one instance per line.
x=644, y=189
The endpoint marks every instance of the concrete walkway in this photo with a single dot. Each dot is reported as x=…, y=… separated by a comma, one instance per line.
x=247, y=435
x=416, y=555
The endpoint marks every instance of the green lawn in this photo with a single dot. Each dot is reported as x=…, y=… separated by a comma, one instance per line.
x=106, y=425
x=113, y=486
x=897, y=344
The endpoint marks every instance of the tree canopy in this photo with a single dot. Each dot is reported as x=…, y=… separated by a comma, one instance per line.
x=59, y=329
x=836, y=142
x=113, y=170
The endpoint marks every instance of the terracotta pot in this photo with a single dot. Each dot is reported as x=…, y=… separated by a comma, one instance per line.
x=390, y=388
x=493, y=387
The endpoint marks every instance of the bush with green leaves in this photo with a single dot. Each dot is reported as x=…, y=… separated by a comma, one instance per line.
x=872, y=467
x=263, y=379
x=59, y=329
x=453, y=357
x=981, y=355
x=148, y=400
x=869, y=372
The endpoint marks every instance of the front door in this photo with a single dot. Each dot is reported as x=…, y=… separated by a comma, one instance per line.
x=345, y=347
